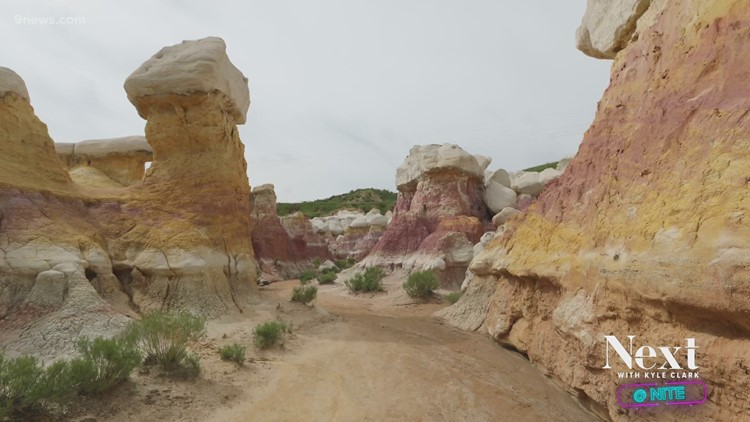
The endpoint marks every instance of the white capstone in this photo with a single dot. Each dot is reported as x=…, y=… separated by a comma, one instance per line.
x=199, y=66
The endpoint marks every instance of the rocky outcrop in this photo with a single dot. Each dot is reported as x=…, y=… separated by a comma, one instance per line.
x=306, y=243
x=28, y=155
x=645, y=233
x=359, y=236
x=76, y=260
x=115, y=162
x=439, y=213
x=48, y=242
x=283, y=246
x=508, y=192
x=608, y=26
x=192, y=234
x=270, y=240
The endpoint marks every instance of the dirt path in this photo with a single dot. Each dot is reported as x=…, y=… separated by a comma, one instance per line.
x=351, y=358
x=376, y=360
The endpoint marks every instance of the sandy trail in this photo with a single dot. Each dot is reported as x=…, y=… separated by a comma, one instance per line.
x=374, y=359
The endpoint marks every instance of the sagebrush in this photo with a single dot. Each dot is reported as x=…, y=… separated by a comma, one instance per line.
x=307, y=275
x=269, y=333
x=421, y=284
x=164, y=338
x=105, y=363
x=345, y=263
x=27, y=387
x=368, y=281
x=233, y=352
x=327, y=278
x=304, y=294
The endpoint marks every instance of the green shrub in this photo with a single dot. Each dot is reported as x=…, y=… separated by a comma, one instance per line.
x=453, y=297
x=334, y=270
x=327, y=278
x=269, y=333
x=421, y=284
x=233, y=352
x=104, y=363
x=19, y=384
x=345, y=263
x=25, y=386
x=304, y=294
x=164, y=338
x=316, y=262
x=307, y=275
x=369, y=281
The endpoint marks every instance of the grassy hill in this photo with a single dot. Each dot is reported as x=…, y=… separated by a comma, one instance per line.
x=364, y=199
x=542, y=166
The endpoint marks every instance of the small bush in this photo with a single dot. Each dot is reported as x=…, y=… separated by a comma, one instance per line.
x=316, y=262
x=327, y=278
x=269, y=333
x=369, y=281
x=307, y=275
x=345, y=263
x=104, y=363
x=304, y=294
x=25, y=386
x=421, y=284
x=164, y=338
x=20, y=384
x=233, y=352
x=453, y=297
x=334, y=270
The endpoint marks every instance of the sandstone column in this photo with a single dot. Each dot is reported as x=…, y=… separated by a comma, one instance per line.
x=193, y=239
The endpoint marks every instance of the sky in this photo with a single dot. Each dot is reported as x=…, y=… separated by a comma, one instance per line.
x=340, y=89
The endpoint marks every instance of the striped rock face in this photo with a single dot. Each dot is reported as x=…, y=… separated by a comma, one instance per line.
x=76, y=258
x=439, y=214
x=646, y=233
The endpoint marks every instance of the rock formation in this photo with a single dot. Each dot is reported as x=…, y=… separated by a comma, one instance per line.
x=360, y=235
x=439, y=213
x=191, y=238
x=608, y=26
x=505, y=192
x=645, y=233
x=270, y=240
x=284, y=247
x=306, y=243
x=106, y=162
x=76, y=260
x=48, y=242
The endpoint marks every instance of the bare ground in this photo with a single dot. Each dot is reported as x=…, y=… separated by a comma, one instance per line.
x=370, y=357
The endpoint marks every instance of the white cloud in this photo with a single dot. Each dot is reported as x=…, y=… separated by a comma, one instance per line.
x=341, y=89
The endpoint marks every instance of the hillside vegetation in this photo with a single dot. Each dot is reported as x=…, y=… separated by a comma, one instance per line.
x=364, y=199
x=541, y=167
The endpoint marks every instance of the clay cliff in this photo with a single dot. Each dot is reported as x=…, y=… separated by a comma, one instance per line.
x=646, y=232
x=178, y=238
x=283, y=246
x=48, y=240
x=306, y=243
x=439, y=213
x=270, y=240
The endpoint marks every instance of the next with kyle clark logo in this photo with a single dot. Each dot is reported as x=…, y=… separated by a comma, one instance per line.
x=660, y=368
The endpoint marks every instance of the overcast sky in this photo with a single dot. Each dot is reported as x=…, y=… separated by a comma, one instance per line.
x=340, y=89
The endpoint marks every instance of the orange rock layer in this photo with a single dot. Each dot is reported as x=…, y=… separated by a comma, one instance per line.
x=646, y=233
